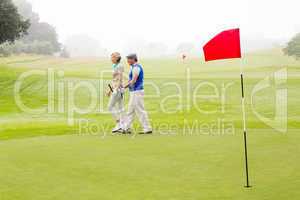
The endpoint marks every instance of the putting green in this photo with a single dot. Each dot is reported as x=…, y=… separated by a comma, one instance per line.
x=150, y=167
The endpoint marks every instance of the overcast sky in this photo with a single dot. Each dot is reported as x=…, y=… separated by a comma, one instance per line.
x=117, y=23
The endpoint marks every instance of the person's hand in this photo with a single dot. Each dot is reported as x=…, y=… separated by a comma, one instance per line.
x=126, y=85
x=108, y=93
x=122, y=89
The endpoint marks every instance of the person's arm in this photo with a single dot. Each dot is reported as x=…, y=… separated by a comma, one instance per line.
x=108, y=92
x=136, y=72
x=119, y=76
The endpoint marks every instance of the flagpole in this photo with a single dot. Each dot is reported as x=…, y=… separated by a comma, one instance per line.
x=223, y=46
x=244, y=127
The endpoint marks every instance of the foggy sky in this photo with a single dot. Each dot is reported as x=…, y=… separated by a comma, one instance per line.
x=119, y=23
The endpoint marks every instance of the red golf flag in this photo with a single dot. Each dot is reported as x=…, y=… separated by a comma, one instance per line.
x=223, y=46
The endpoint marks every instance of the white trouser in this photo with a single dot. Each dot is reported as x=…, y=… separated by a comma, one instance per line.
x=136, y=107
x=116, y=105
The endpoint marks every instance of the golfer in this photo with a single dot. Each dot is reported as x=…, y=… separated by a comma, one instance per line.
x=115, y=92
x=136, y=100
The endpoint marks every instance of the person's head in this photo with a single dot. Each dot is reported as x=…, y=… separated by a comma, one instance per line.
x=132, y=58
x=116, y=58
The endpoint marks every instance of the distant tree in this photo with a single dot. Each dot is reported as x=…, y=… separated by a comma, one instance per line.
x=293, y=47
x=38, y=31
x=41, y=47
x=12, y=25
x=25, y=10
x=5, y=49
x=64, y=53
x=43, y=32
x=35, y=47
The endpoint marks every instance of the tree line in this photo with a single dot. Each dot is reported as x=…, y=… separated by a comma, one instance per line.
x=22, y=32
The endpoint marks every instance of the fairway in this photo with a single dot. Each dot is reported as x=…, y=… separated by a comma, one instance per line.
x=196, y=151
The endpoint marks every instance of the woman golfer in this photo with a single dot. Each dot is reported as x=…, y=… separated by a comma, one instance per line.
x=115, y=92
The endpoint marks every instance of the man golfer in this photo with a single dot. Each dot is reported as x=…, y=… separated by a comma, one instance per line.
x=136, y=101
x=116, y=103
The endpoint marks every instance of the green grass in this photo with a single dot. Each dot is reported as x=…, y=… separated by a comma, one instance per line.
x=42, y=157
